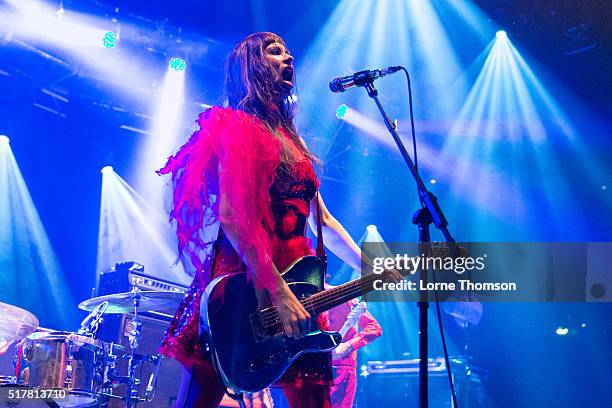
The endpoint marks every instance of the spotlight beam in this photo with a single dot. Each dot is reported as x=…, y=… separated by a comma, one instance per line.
x=132, y=229
x=166, y=134
x=27, y=259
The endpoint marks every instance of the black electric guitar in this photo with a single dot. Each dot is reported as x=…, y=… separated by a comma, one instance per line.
x=249, y=346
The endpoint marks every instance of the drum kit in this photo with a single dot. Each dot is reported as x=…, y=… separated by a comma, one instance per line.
x=76, y=369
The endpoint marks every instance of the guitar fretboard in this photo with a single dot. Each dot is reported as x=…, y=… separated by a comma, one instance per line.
x=327, y=299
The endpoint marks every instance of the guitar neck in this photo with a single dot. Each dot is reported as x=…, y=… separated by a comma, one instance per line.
x=327, y=299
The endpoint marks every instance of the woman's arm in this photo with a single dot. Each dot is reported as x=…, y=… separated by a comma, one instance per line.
x=266, y=279
x=337, y=239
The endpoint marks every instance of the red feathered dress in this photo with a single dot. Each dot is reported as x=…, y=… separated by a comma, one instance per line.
x=270, y=205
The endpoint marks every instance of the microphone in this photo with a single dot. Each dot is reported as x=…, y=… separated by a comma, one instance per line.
x=341, y=84
x=91, y=321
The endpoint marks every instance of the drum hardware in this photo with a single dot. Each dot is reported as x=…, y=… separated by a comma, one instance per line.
x=151, y=385
x=79, y=364
x=113, y=379
x=104, y=375
x=133, y=302
x=170, y=371
x=134, y=336
x=90, y=325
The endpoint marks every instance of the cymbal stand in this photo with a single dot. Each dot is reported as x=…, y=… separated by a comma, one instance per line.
x=134, y=336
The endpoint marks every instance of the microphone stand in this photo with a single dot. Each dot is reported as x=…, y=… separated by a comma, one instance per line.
x=423, y=217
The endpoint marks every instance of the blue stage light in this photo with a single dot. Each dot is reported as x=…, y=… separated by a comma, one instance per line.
x=341, y=111
x=107, y=170
x=4, y=140
x=110, y=40
x=177, y=64
x=501, y=35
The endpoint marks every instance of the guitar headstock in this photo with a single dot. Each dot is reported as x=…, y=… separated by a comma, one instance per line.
x=356, y=311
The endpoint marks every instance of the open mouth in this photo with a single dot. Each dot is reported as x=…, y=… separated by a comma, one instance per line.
x=287, y=74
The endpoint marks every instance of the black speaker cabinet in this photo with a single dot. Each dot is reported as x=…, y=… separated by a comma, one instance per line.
x=400, y=390
x=170, y=371
x=393, y=390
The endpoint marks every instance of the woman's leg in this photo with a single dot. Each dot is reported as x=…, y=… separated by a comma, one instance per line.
x=200, y=387
x=315, y=396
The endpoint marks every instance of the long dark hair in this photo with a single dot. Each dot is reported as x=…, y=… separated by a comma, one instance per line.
x=250, y=87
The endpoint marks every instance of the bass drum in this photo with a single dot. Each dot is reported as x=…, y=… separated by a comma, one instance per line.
x=62, y=360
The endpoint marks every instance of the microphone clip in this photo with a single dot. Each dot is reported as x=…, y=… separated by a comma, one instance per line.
x=89, y=325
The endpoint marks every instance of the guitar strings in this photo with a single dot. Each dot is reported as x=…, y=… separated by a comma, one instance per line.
x=333, y=297
x=271, y=315
x=273, y=320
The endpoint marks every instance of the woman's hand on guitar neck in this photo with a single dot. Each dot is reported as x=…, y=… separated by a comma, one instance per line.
x=294, y=318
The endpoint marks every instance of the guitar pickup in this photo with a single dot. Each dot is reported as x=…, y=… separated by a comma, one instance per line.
x=264, y=330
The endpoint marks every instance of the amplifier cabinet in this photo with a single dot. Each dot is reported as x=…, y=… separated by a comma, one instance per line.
x=393, y=390
x=170, y=371
x=400, y=390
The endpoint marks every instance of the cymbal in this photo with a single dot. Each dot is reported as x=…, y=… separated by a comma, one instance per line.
x=149, y=300
x=15, y=323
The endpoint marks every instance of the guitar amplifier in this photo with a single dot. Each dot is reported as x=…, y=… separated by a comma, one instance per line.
x=123, y=278
x=395, y=383
x=127, y=275
x=170, y=371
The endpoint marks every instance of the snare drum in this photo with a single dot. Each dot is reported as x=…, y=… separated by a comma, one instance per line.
x=62, y=360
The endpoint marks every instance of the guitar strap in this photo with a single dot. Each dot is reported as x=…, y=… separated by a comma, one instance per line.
x=320, y=248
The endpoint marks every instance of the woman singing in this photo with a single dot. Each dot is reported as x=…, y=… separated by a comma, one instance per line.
x=248, y=169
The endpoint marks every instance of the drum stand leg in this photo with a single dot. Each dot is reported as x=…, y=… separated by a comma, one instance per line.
x=131, y=392
x=131, y=396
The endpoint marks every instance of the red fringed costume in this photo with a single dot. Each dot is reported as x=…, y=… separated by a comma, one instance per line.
x=270, y=207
